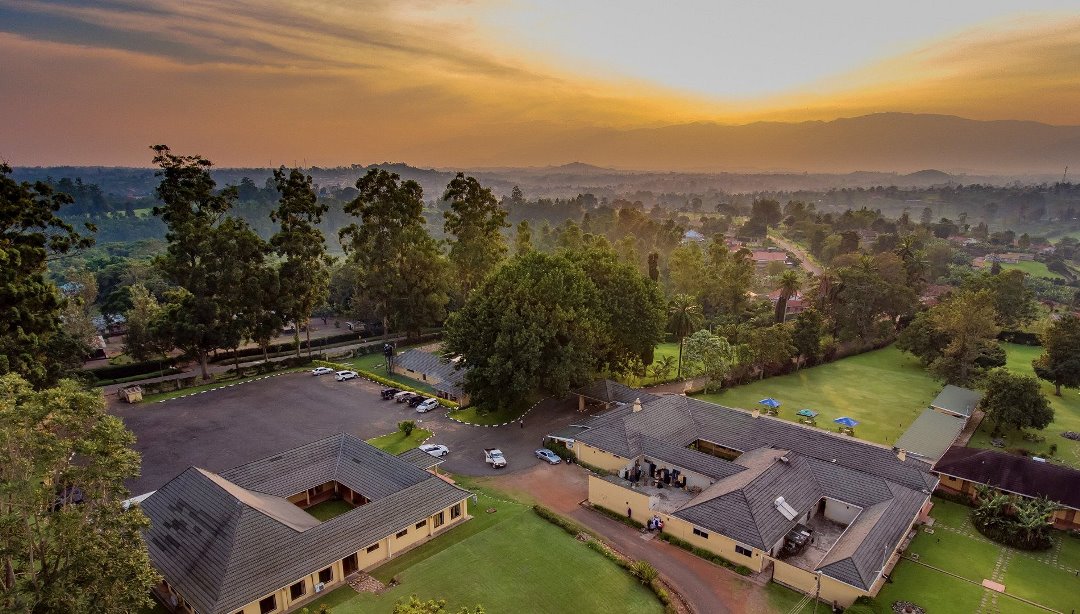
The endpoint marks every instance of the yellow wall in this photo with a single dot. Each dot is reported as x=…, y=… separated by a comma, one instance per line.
x=388, y=547
x=715, y=543
x=619, y=499
x=599, y=458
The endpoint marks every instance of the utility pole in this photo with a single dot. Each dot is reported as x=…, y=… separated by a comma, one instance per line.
x=817, y=593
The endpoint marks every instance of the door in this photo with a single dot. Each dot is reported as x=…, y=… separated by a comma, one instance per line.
x=349, y=564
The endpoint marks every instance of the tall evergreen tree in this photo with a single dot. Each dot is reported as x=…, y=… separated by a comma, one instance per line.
x=475, y=220
x=304, y=273
x=31, y=342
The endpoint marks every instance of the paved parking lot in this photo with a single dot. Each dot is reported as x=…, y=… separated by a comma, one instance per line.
x=224, y=428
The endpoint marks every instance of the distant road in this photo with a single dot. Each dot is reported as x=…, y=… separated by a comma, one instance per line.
x=808, y=261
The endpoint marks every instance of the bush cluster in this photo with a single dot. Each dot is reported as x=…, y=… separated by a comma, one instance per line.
x=286, y=346
x=115, y=372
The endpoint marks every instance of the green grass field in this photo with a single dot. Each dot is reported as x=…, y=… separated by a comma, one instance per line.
x=328, y=509
x=957, y=548
x=397, y=442
x=507, y=561
x=884, y=390
x=1066, y=413
x=375, y=363
x=1036, y=269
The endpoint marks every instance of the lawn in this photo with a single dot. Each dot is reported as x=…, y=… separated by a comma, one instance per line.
x=397, y=442
x=1066, y=413
x=1027, y=575
x=527, y=564
x=1035, y=269
x=328, y=509
x=884, y=390
x=474, y=414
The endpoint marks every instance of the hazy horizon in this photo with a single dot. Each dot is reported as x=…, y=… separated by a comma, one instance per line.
x=517, y=83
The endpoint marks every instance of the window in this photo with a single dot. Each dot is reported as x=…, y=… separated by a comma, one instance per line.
x=455, y=511
x=373, y=547
x=421, y=524
x=438, y=520
x=402, y=533
x=744, y=551
x=701, y=533
x=268, y=605
x=297, y=590
x=327, y=574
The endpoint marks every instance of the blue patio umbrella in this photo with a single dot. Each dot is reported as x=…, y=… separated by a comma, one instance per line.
x=845, y=421
x=807, y=413
x=770, y=402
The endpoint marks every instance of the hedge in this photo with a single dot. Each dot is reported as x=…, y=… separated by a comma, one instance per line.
x=742, y=570
x=113, y=372
x=135, y=378
x=275, y=348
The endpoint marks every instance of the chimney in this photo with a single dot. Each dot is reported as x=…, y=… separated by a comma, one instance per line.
x=637, y=405
x=901, y=454
x=755, y=413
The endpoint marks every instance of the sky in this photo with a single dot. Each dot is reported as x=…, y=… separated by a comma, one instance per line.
x=459, y=82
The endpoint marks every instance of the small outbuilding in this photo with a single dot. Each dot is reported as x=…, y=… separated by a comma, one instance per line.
x=957, y=401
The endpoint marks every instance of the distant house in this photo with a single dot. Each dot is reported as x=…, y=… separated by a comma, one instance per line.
x=441, y=374
x=962, y=469
x=693, y=236
x=241, y=542
x=794, y=306
x=762, y=257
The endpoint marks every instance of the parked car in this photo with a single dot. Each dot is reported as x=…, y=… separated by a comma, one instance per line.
x=494, y=457
x=388, y=393
x=403, y=396
x=344, y=375
x=416, y=400
x=435, y=449
x=321, y=371
x=548, y=456
x=427, y=405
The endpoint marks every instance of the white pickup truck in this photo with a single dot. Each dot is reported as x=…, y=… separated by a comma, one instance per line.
x=494, y=457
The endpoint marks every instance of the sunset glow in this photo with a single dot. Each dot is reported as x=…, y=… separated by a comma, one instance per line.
x=337, y=82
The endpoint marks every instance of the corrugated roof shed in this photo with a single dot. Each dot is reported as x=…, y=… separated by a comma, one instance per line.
x=931, y=434
x=957, y=400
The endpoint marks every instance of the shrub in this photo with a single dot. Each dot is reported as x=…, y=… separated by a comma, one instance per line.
x=144, y=368
x=742, y=570
x=406, y=426
x=630, y=522
x=643, y=571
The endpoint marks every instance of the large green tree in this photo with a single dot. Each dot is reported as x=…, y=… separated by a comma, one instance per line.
x=1059, y=363
x=304, y=272
x=1015, y=401
x=968, y=320
x=475, y=220
x=66, y=542
x=533, y=324
x=140, y=342
x=401, y=274
x=684, y=313
x=713, y=353
x=212, y=259
x=31, y=342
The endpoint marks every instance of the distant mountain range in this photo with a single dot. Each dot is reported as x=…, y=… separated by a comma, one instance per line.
x=895, y=142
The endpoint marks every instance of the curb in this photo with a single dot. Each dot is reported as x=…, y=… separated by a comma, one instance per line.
x=254, y=379
x=514, y=421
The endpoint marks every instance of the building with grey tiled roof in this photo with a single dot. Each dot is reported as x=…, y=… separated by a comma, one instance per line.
x=443, y=375
x=242, y=541
x=737, y=483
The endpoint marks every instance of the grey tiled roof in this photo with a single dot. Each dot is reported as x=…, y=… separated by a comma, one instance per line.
x=432, y=364
x=613, y=392
x=418, y=458
x=931, y=434
x=818, y=464
x=957, y=400
x=221, y=552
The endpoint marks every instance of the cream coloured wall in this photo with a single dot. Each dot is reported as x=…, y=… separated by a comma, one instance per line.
x=715, y=542
x=618, y=499
x=599, y=458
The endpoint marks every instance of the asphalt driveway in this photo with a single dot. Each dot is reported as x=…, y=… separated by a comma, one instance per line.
x=223, y=428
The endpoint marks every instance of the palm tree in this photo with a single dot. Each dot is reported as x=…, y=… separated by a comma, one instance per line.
x=686, y=318
x=790, y=284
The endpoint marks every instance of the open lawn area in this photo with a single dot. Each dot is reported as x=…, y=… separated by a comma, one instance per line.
x=884, y=390
x=329, y=509
x=524, y=565
x=397, y=442
x=1035, y=269
x=1066, y=414
x=956, y=548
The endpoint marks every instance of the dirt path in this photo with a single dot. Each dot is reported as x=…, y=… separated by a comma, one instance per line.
x=708, y=588
x=808, y=261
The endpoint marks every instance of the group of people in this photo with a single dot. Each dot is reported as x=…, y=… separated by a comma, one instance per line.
x=655, y=524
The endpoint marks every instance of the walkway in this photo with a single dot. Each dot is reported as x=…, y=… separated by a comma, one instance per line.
x=708, y=588
x=808, y=261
